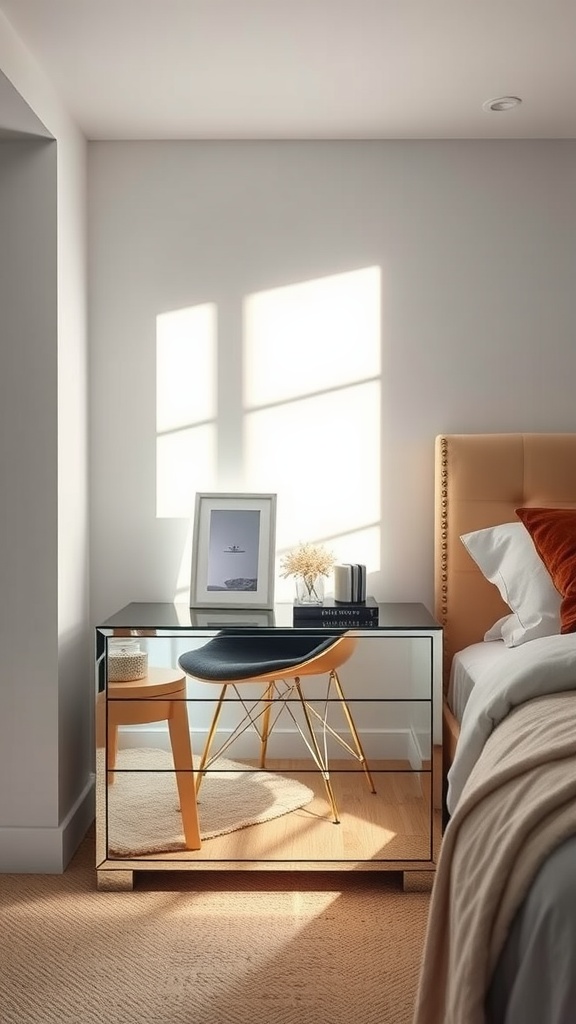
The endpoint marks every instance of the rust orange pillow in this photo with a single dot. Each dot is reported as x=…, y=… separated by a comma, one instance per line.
x=553, y=531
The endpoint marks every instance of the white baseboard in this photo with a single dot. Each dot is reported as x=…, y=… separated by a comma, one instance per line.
x=392, y=744
x=47, y=851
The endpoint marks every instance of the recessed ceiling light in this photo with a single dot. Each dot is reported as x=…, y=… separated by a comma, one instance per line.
x=502, y=103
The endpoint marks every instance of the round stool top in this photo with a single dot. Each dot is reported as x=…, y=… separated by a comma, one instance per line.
x=159, y=682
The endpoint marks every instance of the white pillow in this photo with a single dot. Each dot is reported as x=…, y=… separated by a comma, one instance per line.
x=507, y=622
x=507, y=557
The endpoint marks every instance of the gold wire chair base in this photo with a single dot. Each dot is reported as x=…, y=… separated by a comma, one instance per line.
x=258, y=714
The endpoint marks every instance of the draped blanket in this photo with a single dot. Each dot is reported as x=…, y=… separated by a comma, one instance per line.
x=517, y=805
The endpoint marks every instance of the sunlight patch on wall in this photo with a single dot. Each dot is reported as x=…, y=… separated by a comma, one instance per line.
x=182, y=591
x=321, y=456
x=186, y=407
x=306, y=413
x=312, y=394
x=311, y=336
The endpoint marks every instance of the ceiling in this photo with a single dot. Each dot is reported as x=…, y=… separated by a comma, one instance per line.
x=306, y=69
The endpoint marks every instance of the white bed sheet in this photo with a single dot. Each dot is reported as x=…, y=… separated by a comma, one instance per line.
x=468, y=666
x=535, y=669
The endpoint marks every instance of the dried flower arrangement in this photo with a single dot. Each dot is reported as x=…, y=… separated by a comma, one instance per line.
x=308, y=562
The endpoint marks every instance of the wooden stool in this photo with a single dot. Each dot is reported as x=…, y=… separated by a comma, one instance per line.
x=158, y=697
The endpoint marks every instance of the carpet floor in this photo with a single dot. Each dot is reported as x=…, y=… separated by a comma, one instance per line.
x=209, y=948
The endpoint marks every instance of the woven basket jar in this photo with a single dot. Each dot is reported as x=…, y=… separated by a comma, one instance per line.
x=126, y=661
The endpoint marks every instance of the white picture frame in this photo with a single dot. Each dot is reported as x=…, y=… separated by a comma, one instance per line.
x=233, y=551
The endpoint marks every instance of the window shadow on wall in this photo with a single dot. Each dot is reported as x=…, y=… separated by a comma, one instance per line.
x=304, y=421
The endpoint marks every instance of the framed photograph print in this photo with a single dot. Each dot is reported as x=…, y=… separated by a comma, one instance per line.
x=233, y=551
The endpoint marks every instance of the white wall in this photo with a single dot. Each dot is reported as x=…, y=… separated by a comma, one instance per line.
x=28, y=458
x=46, y=676
x=475, y=245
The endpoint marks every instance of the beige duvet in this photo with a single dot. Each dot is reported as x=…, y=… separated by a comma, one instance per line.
x=518, y=804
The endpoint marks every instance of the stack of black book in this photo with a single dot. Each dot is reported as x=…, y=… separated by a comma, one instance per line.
x=342, y=614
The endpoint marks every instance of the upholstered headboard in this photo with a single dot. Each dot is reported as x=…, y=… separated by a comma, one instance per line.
x=480, y=480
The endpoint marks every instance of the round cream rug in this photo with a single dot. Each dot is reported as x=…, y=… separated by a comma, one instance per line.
x=143, y=810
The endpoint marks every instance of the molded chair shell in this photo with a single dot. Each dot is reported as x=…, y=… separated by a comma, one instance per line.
x=231, y=659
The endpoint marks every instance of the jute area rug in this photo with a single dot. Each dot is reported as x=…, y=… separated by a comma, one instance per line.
x=209, y=948
x=143, y=807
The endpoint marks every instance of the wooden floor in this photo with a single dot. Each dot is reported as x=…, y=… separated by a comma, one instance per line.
x=388, y=830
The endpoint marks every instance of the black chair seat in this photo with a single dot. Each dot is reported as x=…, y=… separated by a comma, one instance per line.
x=235, y=656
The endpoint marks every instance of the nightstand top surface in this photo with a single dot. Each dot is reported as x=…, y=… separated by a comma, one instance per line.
x=392, y=616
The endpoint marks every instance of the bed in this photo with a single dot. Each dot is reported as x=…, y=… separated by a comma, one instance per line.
x=501, y=940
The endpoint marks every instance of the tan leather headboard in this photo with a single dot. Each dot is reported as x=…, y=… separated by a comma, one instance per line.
x=480, y=480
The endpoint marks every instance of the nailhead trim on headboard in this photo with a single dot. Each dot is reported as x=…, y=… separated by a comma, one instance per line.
x=444, y=529
x=442, y=612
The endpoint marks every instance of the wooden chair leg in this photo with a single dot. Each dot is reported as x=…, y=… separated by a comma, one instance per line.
x=268, y=696
x=182, y=754
x=100, y=721
x=112, y=748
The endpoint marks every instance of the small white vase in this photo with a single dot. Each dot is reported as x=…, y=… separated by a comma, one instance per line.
x=310, y=589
